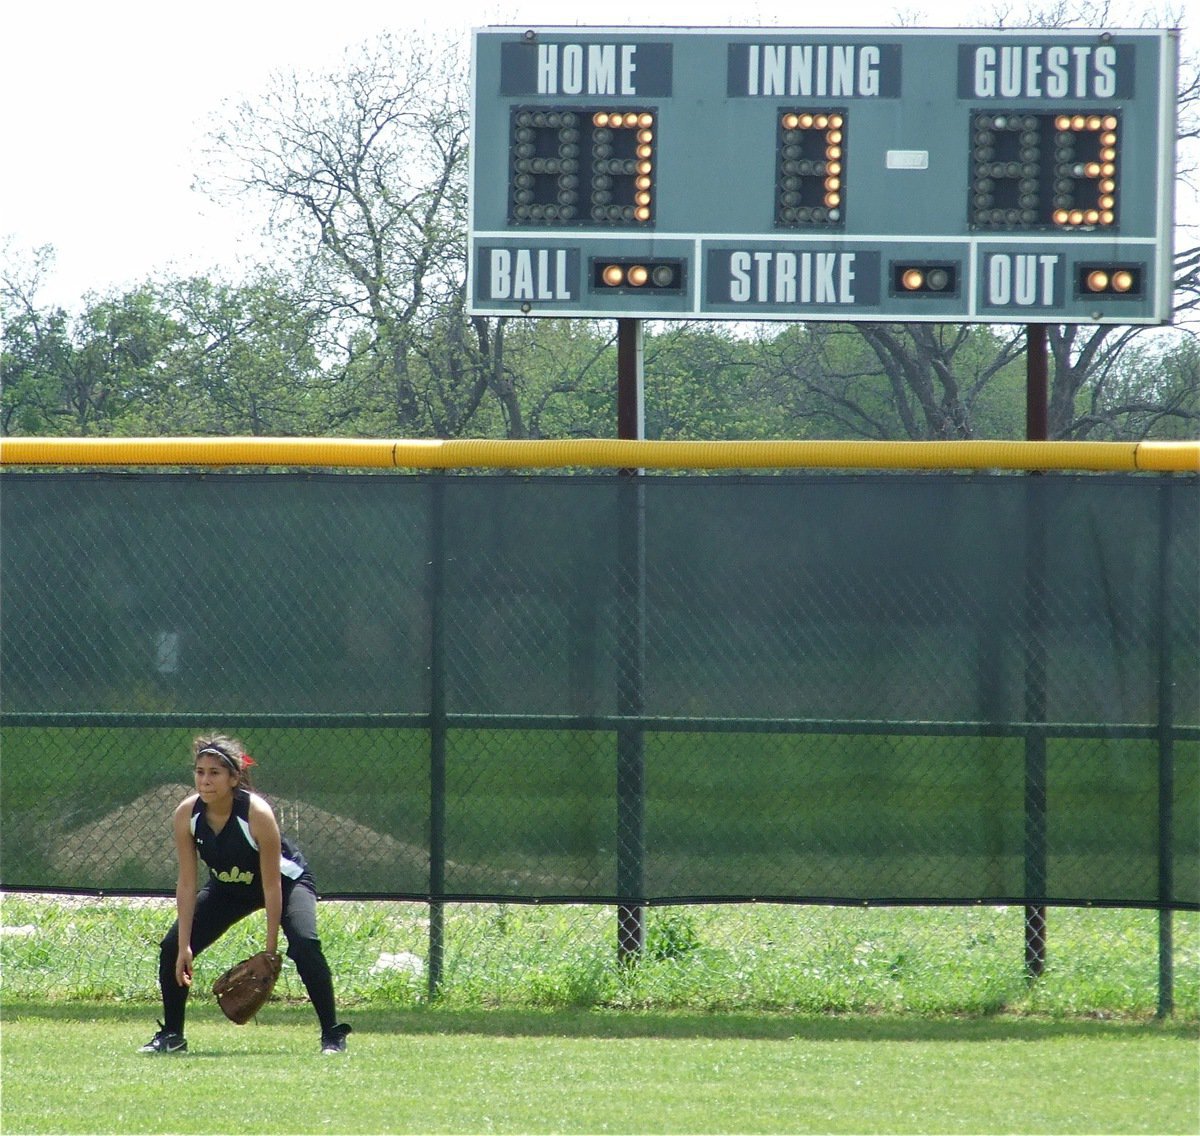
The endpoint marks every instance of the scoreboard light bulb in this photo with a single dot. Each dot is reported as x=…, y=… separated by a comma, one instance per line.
x=809, y=168
x=613, y=275
x=1093, y=122
x=1110, y=122
x=645, y=135
x=600, y=118
x=1092, y=216
x=644, y=151
x=642, y=213
x=642, y=182
x=1108, y=139
x=1076, y=217
x=922, y=279
x=1078, y=122
x=1062, y=122
x=1110, y=280
x=1092, y=170
x=1107, y=217
x=644, y=276
x=641, y=198
x=644, y=167
x=645, y=119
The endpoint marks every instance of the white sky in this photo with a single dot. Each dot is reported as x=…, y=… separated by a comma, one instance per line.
x=104, y=103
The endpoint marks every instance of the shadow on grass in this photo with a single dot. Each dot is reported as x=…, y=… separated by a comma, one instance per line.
x=628, y=1024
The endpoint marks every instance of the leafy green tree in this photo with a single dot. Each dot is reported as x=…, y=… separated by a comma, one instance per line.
x=704, y=382
x=119, y=364
x=78, y=376
x=565, y=371
x=246, y=364
x=34, y=346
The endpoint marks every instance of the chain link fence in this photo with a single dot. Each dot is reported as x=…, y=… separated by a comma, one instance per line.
x=825, y=740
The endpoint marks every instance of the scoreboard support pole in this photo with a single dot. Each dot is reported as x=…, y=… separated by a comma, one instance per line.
x=1036, y=430
x=631, y=651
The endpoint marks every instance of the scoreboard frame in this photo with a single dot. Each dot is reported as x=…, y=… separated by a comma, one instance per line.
x=914, y=175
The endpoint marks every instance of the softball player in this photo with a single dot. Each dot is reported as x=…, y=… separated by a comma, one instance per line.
x=251, y=867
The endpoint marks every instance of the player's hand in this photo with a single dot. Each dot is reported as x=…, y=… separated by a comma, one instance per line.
x=183, y=967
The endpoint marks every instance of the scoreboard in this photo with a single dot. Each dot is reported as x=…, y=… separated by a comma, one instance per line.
x=962, y=175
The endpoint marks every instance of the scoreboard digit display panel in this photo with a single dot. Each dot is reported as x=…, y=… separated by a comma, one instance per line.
x=957, y=175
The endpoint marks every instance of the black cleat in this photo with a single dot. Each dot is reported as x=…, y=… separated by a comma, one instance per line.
x=334, y=1041
x=165, y=1042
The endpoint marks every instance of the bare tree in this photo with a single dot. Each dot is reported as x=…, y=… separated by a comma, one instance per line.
x=364, y=170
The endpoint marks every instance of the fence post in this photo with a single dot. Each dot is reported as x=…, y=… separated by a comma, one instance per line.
x=437, y=731
x=631, y=650
x=1037, y=428
x=1166, y=759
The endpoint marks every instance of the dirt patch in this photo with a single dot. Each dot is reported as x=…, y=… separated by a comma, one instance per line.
x=136, y=839
x=132, y=846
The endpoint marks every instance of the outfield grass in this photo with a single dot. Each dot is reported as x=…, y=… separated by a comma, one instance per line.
x=75, y=1069
x=759, y=957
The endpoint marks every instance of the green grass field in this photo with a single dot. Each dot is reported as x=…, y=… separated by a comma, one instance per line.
x=75, y=1069
x=739, y=1019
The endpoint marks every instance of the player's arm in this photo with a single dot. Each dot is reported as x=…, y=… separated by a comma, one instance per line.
x=265, y=830
x=185, y=888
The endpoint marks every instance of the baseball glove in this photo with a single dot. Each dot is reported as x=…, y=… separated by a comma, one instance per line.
x=243, y=989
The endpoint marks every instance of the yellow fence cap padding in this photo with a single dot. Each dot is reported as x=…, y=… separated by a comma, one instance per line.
x=601, y=453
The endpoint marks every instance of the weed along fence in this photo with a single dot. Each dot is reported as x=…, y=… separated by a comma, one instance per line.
x=829, y=678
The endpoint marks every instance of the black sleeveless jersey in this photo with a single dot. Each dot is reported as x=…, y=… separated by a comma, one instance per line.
x=232, y=854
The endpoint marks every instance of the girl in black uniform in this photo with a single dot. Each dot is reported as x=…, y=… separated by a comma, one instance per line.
x=250, y=867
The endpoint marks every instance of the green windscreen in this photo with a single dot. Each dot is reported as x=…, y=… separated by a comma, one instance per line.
x=892, y=688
